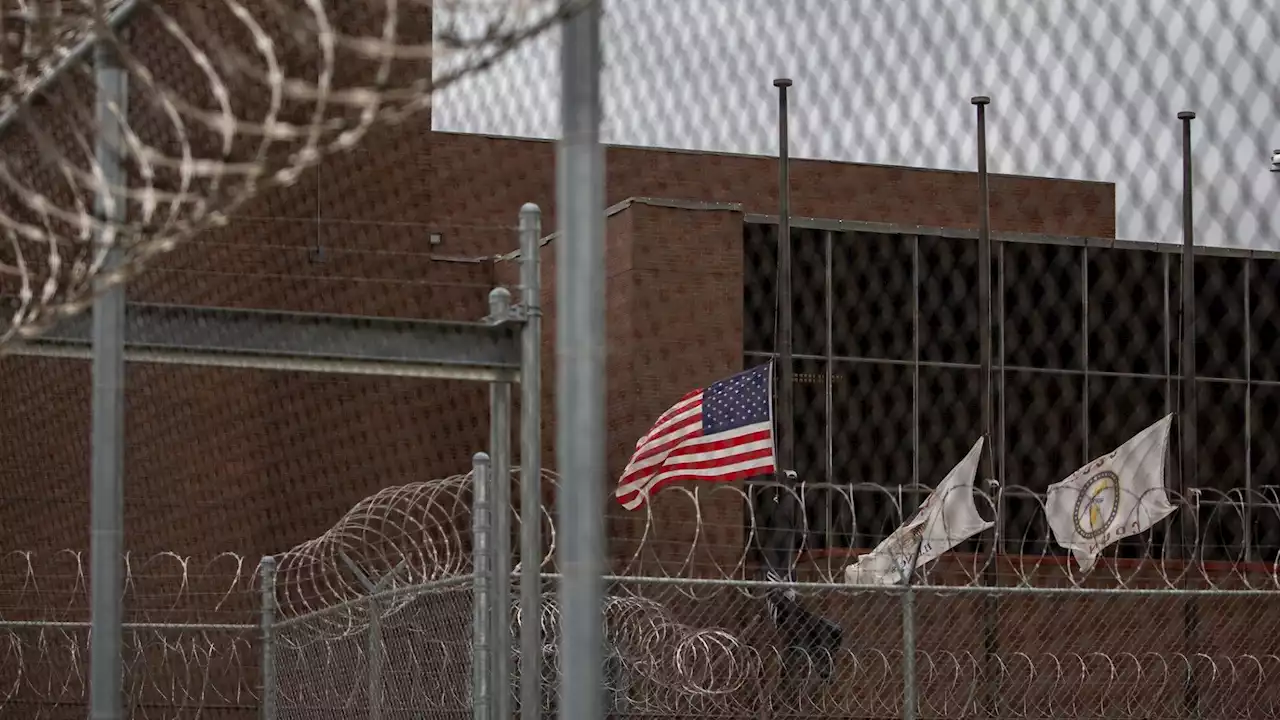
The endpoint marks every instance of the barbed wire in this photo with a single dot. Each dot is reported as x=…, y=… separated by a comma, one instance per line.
x=404, y=536
x=419, y=533
x=164, y=587
x=44, y=667
x=707, y=647
x=678, y=644
x=236, y=99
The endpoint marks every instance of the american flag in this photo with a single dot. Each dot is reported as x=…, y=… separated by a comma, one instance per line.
x=719, y=434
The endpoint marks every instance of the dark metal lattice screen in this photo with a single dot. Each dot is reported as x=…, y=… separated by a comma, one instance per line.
x=1085, y=346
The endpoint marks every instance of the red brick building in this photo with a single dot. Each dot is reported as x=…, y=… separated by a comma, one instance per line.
x=254, y=462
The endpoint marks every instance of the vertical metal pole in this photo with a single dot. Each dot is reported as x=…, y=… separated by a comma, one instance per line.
x=1169, y=403
x=267, y=572
x=1187, y=478
x=1248, y=414
x=991, y=572
x=374, y=650
x=909, y=690
x=480, y=644
x=915, y=360
x=984, y=280
x=1188, y=419
x=531, y=466
x=910, y=700
x=580, y=354
x=106, y=535
x=500, y=456
x=1085, y=427
x=786, y=365
x=828, y=454
x=829, y=293
x=1003, y=421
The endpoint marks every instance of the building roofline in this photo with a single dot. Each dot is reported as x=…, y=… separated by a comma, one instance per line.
x=1173, y=247
x=717, y=153
x=836, y=225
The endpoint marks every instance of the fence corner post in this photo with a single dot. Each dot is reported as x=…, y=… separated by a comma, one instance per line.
x=267, y=575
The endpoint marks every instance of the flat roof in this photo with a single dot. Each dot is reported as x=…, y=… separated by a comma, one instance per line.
x=837, y=225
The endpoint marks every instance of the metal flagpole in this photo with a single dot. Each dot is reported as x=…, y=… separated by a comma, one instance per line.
x=1187, y=421
x=786, y=365
x=991, y=607
x=106, y=536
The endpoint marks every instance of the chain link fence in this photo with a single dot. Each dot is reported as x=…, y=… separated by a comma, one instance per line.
x=303, y=635
x=311, y=203
x=190, y=638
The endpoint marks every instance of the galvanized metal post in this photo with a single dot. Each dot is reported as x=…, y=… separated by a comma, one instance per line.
x=910, y=701
x=784, y=342
x=373, y=642
x=910, y=693
x=580, y=354
x=480, y=553
x=106, y=536
x=531, y=466
x=373, y=648
x=267, y=575
x=500, y=455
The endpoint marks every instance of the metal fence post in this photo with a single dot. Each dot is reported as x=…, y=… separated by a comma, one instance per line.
x=500, y=456
x=480, y=602
x=531, y=466
x=909, y=692
x=373, y=644
x=106, y=535
x=268, y=579
x=580, y=356
x=374, y=651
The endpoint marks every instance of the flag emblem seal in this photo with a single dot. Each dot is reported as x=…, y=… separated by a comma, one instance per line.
x=1097, y=505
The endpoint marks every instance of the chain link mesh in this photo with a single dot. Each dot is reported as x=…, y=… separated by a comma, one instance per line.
x=227, y=102
x=190, y=639
x=369, y=159
x=1118, y=644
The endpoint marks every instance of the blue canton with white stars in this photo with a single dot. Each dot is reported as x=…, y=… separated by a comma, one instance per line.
x=736, y=401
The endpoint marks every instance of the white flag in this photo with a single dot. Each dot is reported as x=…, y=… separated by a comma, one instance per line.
x=947, y=518
x=1113, y=497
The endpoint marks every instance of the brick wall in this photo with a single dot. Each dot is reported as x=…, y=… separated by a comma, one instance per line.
x=479, y=179
x=254, y=462
x=294, y=451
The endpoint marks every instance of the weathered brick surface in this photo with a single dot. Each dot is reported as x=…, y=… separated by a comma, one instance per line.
x=271, y=459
